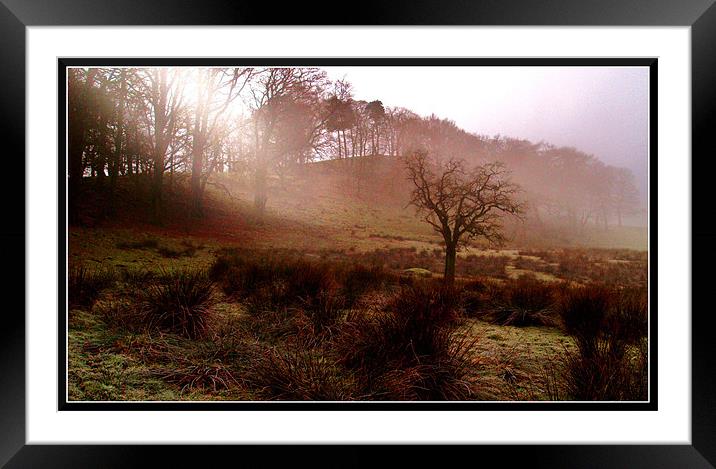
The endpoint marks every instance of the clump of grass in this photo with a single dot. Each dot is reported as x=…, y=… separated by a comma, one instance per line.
x=148, y=243
x=426, y=302
x=359, y=279
x=169, y=253
x=629, y=315
x=310, y=323
x=521, y=303
x=189, y=250
x=121, y=314
x=524, y=302
x=299, y=375
x=278, y=325
x=320, y=288
x=475, y=297
x=84, y=285
x=607, y=374
x=180, y=304
x=165, y=251
x=516, y=317
x=269, y=281
x=138, y=277
x=222, y=265
x=611, y=358
x=483, y=265
x=324, y=309
x=530, y=294
x=409, y=351
x=205, y=376
x=442, y=376
x=584, y=313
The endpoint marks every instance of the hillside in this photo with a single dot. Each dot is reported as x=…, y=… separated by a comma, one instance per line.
x=363, y=199
x=358, y=204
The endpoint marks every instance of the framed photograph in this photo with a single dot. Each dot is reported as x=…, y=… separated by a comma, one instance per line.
x=413, y=233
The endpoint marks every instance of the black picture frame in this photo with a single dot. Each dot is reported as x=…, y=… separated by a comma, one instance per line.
x=700, y=15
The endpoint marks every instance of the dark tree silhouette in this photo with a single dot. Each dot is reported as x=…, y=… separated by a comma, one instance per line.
x=165, y=100
x=80, y=85
x=340, y=115
x=376, y=113
x=462, y=204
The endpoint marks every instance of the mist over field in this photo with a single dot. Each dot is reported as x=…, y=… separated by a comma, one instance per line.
x=602, y=111
x=357, y=233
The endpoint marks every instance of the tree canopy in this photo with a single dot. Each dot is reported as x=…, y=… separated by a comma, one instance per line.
x=462, y=204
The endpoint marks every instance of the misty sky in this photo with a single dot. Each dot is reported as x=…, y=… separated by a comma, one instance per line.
x=600, y=110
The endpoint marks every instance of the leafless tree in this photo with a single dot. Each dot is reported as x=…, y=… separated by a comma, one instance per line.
x=276, y=95
x=462, y=204
x=165, y=98
x=80, y=89
x=625, y=195
x=217, y=88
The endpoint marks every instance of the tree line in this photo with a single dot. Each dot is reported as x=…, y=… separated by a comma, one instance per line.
x=265, y=122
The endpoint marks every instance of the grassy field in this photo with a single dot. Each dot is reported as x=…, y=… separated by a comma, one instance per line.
x=111, y=363
x=367, y=257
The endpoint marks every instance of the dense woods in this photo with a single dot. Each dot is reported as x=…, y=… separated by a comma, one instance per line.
x=263, y=123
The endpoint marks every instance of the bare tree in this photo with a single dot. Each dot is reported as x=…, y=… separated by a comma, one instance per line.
x=80, y=85
x=625, y=195
x=276, y=94
x=462, y=204
x=165, y=99
x=217, y=89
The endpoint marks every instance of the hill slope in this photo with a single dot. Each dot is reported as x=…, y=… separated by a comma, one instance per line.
x=359, y=204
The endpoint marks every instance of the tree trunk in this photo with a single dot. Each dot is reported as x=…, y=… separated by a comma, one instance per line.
x=376, y=151
x=171, y=172
x=115, y=165
x=197, y=167
x=260, y=183
x=78, y=124
x=450, y=257
x=102, y=148
x=605, y=220
x=157, y=188
x=345, y=145
x=353, y=143
x=159, y=92
x=198, y=145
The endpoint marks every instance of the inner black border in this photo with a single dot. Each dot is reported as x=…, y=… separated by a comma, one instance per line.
x=64, y=404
